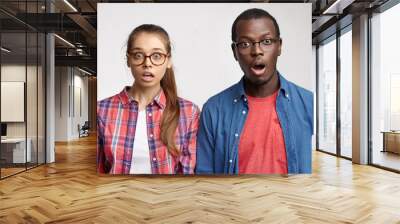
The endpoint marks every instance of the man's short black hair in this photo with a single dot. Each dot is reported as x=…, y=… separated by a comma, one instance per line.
x=254, y=14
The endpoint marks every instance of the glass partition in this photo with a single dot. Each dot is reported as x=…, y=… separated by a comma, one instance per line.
x=22, y=77
x=327, y=96
x=385, y=89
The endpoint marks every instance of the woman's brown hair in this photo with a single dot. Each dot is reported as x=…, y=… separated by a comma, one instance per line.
x=170, y=117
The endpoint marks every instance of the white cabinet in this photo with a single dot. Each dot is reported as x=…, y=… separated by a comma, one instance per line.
x=17, y=146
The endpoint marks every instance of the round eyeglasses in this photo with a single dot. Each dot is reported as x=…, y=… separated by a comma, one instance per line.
x=244, y=47
x=156, y=58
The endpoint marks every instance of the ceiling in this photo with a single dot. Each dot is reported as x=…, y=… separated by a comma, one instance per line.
x=76, y=22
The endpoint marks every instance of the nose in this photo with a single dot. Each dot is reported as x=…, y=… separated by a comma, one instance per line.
x=147, y=62
x=256, y=49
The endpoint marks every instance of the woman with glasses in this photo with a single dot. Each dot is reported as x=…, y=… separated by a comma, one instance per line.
x=147, y=128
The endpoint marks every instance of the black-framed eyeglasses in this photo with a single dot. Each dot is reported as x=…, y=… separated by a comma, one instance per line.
x=156, y=58
x=244, y=47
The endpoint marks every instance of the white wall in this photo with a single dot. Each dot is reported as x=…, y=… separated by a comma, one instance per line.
x=80, y=83
x=201, y=38
x=67, y=80
x=61, y=103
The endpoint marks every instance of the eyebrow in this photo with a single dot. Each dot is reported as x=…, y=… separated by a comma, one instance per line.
x=138, y=48
x=264, y=34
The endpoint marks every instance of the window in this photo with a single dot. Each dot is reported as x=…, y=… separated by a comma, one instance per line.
x=385, y=89
x=346, y=93
x=327, y=96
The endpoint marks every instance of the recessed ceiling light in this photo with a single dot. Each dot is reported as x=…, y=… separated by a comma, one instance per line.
x=84, y=71
x=70, y=5
x=5, y=50
x=64, y=40
x=338, y=6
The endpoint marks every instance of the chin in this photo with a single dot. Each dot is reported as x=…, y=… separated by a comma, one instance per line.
x=257, y=80
x=147, y=84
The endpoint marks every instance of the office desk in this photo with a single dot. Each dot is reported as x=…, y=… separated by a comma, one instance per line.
x=13, y=150
x=391, y=141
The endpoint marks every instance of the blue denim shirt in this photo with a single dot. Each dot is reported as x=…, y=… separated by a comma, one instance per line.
x=223, y=118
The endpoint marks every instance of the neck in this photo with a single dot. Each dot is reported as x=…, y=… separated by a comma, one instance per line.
x=144, y=95
x=264, y=89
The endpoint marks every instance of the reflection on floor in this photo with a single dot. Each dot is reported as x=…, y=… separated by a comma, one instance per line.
x=386, y=159
x=346, y=152
x=10, y=169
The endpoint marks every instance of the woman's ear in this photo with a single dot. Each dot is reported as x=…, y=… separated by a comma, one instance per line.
x=169, y=65
x=127, y=61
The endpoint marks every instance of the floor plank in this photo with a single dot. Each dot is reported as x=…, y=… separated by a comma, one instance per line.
x=70, y=191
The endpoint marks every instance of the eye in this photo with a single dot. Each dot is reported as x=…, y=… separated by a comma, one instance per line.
x=138, y=55
x=266, y=42
x=244, y=44
x=156, y=56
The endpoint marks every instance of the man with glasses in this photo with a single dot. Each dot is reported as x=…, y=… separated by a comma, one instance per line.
x=264, y=123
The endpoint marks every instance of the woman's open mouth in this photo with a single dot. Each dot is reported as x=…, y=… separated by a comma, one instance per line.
x=147, y=76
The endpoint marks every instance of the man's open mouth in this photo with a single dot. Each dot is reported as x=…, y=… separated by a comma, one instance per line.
x=258, y=68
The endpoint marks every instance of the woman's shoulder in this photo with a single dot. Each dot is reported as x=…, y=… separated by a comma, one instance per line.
x=188, y=106
x=107, y=104
x=115, y=99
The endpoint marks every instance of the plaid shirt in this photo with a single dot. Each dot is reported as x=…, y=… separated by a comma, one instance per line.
x=116, y=125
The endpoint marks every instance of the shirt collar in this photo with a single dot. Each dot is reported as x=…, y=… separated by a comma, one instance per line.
x=240, y=93
x=159, y=99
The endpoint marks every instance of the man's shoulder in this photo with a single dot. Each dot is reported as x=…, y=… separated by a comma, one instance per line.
x=223, y=96
x=296, y=89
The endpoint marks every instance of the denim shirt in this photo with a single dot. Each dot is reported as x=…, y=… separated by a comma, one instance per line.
x=223, y=118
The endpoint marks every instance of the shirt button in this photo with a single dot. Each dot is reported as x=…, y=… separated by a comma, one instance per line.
x=151, y=135
x=230, y=161
x=287, y=95
x=235, y=100
x=245, y=99
x=154, y=159
x=236, y=135
x=244, y=112
x=150, y=114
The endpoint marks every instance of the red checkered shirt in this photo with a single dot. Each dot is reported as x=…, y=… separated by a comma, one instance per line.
x=116, y=122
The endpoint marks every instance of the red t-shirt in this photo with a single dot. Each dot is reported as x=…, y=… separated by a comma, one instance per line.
x=262, y=146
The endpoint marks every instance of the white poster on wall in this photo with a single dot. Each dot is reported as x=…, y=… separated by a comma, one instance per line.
x=12, y=101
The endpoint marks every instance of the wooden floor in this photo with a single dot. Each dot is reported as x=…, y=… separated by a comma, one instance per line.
x=387, y=159
x=10, y=171
x=70, y=191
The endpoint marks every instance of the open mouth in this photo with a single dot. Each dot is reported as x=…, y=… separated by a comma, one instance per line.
x=258, y=68
x=147, y=76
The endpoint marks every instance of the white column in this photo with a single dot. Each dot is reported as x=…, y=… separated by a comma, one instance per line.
x=360, y=90
x=50, y=93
